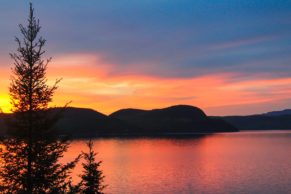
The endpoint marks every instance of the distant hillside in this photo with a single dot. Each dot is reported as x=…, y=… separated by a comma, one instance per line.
x=279, y=113
x=174, y=119
x=2, y=126
x=267, y=121
x=180, y=119
x=79, y=122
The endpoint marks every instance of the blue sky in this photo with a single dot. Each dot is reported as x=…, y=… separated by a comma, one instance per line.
x=249, y=39
x=193, y=37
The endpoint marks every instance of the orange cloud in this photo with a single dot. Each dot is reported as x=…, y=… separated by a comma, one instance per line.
x=87, y=82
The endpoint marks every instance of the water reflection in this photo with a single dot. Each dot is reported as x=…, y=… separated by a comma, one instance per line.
x=244, y=162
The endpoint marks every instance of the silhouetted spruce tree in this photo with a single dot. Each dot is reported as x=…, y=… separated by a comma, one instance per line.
x=92, y=177
x=32, y=149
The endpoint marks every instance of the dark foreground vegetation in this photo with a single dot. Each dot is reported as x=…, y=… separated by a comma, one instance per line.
x=32, y=148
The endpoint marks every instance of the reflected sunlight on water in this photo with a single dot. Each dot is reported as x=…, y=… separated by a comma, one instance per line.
x=244, y=162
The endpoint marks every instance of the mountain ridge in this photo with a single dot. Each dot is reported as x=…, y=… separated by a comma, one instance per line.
x=273, y=120
x=278, y=112
x=178, y=119
x=175, y=120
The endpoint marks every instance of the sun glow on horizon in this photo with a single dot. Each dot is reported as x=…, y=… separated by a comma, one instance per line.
x=5, y=105
x=89, y=81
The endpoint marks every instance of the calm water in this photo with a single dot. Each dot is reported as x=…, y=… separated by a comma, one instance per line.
x=244, y=162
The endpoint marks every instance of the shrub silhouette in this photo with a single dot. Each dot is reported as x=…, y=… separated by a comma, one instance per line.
x=92, y=177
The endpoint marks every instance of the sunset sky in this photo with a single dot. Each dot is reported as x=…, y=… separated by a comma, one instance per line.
x=228, y=57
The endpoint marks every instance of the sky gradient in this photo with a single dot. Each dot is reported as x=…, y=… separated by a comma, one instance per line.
x=228, y=57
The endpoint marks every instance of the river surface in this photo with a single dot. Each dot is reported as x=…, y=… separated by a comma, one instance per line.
x=242, y=162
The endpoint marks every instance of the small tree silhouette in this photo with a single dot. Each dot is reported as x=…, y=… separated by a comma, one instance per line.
x=92, y=177
x=32, y=149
